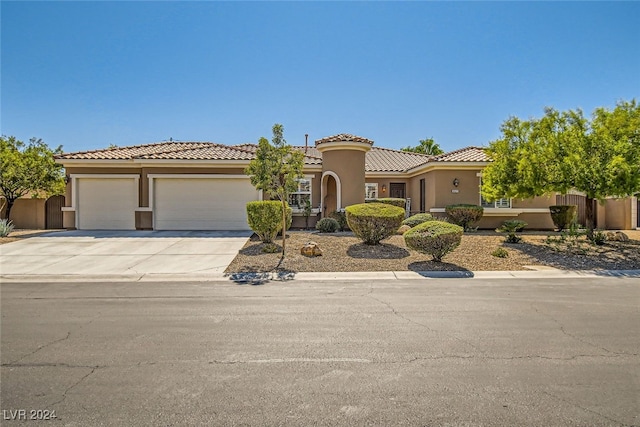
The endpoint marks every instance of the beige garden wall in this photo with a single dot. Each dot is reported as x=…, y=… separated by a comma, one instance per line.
x=27, y=213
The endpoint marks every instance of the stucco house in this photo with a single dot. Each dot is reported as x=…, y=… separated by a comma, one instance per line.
x=202, y=185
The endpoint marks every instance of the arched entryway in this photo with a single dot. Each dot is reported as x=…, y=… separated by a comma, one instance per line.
x=53, y=212
x=330, y=192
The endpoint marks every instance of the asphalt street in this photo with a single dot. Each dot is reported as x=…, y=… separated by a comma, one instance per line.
x=432, y=352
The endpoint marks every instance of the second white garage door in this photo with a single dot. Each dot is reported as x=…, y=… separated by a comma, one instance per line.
x=202, y=203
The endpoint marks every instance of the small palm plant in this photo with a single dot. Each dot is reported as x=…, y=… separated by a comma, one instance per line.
x=511, y=227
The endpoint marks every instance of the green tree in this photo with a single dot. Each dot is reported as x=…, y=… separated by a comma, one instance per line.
x=564, y=150
x=426, y=146
x=28, y=168
x=275, y=171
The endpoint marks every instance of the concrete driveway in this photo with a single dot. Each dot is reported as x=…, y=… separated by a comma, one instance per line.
x=125, y=254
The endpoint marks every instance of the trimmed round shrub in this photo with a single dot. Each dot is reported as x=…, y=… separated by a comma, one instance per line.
x=464, y=215
x=341, y=217
x=373, y=222
x=563, y=215
x=416, y=219
x=265, y=218
x=394, y=201
x=435, y=238
x=327, y=225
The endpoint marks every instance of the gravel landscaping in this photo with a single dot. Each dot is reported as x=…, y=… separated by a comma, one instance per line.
x=345, y=252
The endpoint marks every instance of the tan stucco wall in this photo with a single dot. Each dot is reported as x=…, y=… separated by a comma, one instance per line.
x=540, y=202
x=440, y=183
x=618, y=214
x=27, y=213
x=535, y=221
x=349, y=166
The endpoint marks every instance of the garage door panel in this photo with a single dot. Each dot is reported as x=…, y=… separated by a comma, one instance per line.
x=106, y=203
x=202, y=203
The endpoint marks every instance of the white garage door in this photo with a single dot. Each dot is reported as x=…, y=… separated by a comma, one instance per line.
x=202, y=203
x=106, y=203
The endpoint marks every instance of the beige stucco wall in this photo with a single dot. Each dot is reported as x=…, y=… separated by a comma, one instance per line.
x=349, y=166
x=440, y=183
x=27, y=213
x=618, y=214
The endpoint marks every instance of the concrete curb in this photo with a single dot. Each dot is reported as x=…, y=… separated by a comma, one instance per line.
x=321, y=276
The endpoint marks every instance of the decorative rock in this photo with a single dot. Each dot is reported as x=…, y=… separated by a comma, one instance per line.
x=311, y=249
x=403, y=229
x=617, y=236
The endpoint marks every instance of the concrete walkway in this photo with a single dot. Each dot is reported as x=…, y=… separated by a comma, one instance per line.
x=124, y=256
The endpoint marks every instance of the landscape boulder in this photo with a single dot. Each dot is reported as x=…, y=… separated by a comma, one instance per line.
x=311, y=249
x=617, y=236
x=403, y=229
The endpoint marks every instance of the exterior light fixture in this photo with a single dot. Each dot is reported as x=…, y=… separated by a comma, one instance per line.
x=384, y=188
x=456, y=182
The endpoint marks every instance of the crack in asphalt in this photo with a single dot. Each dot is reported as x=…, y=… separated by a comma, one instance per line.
x=307, y=360
x=586, y=409
x=42, y=347
x=583, y=341
x=402, y=316
x=64, y=394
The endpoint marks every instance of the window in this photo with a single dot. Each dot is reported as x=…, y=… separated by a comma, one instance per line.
x=371, y=190
x=500, y=203
x=298, y=199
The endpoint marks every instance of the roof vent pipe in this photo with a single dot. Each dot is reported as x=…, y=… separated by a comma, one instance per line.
x=306, y=142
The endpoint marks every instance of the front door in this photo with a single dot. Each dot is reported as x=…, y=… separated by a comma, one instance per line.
x=397, y=190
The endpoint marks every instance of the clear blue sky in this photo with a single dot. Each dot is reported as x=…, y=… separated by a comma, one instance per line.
x=88, y=74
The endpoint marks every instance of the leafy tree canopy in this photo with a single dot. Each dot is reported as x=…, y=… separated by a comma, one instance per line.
x=276, y=169
x=28, y=168
x=426, y=146
x=561, y=151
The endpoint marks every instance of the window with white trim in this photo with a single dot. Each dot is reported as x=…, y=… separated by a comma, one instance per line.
x=371, y=190
x=500, y=203
x=299, y=198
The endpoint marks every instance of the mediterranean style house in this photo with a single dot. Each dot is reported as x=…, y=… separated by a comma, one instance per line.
x=202, y=186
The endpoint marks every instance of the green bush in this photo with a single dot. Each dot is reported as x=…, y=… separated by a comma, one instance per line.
x=500, y=253
x=327, y=225
x=6, y=227
x=341, y=217
x=599, y=237
x=511, y=227
x=435, y=238
x=373, y=222
x=393, y=201
x=464, y=215
x=265, y=218
x=416, y=219
x=563, y=215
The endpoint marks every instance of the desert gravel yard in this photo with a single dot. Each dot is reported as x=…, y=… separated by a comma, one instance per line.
x=344, y=252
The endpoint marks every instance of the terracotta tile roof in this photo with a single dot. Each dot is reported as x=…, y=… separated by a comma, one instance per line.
x=376, y=160
x=344, y=137
x=387, y=160
x=312, y=157
x=467, y=154
x=165, y=151
x=127, y=153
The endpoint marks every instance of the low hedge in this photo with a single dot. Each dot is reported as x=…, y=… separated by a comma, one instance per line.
x=373, y=222
x=435, y=238
x=416, y=219
x=464, y=215
x=265, y=218
x=327, y=225
x=563, y=215
x=394, y=201
x=341, y=217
